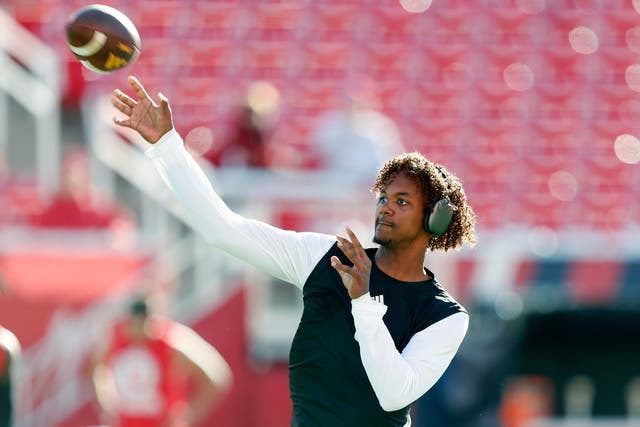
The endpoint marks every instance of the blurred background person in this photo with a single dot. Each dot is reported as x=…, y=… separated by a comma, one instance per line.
x=9, y=362
x=155, y=372
x=77, y=204
x=252, y=124
x=9, y=354
x=356, y=138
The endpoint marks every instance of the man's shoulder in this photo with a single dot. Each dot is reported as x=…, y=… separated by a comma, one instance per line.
x=444, y=298
x=432, y=303
x=9, y=341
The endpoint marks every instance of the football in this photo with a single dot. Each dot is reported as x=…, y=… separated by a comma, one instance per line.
x=102, y=38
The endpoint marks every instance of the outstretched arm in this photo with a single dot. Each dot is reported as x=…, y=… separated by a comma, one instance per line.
x=205, y=367
x=104, y=388
x=286, y=255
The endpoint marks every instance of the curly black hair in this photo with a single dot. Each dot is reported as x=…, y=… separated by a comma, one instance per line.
x=436, y=183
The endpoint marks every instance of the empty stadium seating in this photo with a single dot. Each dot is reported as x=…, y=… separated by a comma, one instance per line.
x=443, y=75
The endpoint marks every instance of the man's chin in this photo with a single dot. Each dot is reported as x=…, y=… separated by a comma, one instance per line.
x=380, y=240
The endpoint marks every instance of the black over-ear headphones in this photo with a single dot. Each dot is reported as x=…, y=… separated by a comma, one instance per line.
x=437, y=221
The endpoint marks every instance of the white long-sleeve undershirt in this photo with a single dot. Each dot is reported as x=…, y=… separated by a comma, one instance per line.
x=398, y=379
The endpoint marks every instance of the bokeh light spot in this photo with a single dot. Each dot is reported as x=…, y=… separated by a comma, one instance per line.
x=457, y=75
x=632, y=37
x=632, y=77
x=519, y=76
x=199, y=140
x=415, y=6
x=583, y=40
x=627, y=149
x=543, y=241
x=508, y=305
x=563, y=185
x=531, y=6
x=263, y=97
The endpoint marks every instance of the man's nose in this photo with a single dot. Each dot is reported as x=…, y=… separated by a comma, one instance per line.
x=385, y=209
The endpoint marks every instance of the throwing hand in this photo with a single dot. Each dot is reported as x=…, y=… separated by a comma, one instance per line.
x=149, y=119
x=356, y=278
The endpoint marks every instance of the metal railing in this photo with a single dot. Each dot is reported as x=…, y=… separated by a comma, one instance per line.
x=30, y=75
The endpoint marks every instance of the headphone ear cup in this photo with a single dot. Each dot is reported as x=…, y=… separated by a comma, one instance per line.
x=437, y=223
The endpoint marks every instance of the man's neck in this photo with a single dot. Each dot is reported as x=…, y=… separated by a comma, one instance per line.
x=404, y=265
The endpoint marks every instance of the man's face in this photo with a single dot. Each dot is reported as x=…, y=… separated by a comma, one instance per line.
x=138, y=326
x=399, y=213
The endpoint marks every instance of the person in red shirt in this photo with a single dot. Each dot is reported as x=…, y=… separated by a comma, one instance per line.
x=10, y=353
x=9, y=357
x=156, y=372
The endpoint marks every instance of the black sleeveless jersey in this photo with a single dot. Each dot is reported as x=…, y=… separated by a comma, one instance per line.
x=328, y=383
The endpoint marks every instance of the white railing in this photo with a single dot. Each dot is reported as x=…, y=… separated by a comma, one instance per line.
x=30, y=75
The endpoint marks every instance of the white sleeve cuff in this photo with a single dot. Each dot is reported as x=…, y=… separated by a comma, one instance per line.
x=167, y=142
x=365, y=307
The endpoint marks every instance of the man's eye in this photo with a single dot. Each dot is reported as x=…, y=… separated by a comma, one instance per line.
x=382, y=199
x=402, y=202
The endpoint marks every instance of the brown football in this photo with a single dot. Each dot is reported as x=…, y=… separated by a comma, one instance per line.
x=102, y=38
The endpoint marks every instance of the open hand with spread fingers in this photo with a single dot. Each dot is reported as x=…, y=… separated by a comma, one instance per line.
x=149, y=119
x=356, y=278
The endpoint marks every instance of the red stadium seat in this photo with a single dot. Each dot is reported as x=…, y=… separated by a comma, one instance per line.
x=606, y=212
x=207, y=58
x=311, y=98
x=490, y=146
x=501, y=110
x=272, y=21
x=454, y=8
x=491, y=67
x=157, y=18
x=614, y=67
x=326, y=61
x=220, y=20
x=509, y=29
x=448, y=34
x=553, y=148
x=335, y=22
x=607, y=176
x=565, y=73
x=390, y=24
x=544, y=210
x=388, y=61
x=444, y=145
x=558, y=114
x=437, y=110
x=268, y=60
x=492, y=211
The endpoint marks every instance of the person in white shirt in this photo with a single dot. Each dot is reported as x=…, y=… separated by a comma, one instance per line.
x=377, y=329
x=357, y=130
